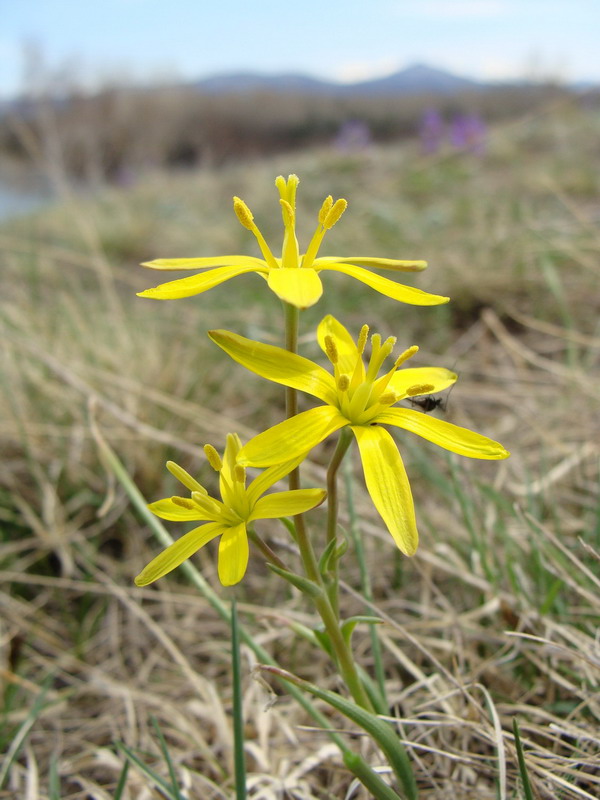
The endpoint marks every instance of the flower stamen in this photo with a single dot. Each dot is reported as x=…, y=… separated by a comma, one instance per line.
x=409, y=353
x=420, y=388
x=213, y=458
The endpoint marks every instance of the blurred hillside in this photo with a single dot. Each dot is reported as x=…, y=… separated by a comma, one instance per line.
x=122, y=131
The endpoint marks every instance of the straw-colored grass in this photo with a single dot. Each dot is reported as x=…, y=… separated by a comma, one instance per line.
x=496, y=617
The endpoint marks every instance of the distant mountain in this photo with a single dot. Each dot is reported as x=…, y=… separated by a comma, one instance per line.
x=416, y=79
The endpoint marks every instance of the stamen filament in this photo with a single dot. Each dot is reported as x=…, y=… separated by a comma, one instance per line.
x=185, y=478
x=406, y=355
x=244, y=215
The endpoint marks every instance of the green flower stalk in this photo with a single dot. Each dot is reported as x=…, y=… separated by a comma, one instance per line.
x=358, y=398
x=294, y=276
x=228, y=518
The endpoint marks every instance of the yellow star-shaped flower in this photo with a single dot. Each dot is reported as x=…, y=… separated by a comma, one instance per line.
x=294, y=277
x=227, y=518
x=357, y=397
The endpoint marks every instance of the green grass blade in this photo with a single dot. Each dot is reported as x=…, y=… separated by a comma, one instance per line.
x=168, y=760
x=380, y=731
x=238, y=716
x=382, y=704
x=23, y=731
x=369, y=779
x=148, y=772
x=54, y=780
x=521, y=759
x=122, y=781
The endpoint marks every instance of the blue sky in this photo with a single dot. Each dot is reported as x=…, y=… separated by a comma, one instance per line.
x=142, y=40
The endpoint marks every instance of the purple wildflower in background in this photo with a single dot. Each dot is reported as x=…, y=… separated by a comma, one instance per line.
x=353, y=135
x=431, y=131
x=468, y=132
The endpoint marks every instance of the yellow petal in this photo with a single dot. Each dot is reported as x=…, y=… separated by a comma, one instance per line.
x=196, y=284
x=396, y=291
x=203, y=263
x=445, y=434
x=167, y=509
x=270, y=476
x=388, y=484
x=226, y=477
x=233, y=555
x=287, y=504
x=438, y=377
x=377, y=263
x=345, y=344
x=177, y=553
x=278, y=365
x=299, y=287
x=292, y=437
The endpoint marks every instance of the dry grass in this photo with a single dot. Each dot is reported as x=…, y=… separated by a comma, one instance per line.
x=495, y=618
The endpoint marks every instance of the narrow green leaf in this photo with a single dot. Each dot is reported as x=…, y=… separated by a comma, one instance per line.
x=21, y=735
x=168, y=760
x=54, y=780
x=149, y=773
x=122, y=781
x=521, y=759
x=348, y=625
x=305, y=585
x=380, y=731
x=369, y=779
x=238, y=716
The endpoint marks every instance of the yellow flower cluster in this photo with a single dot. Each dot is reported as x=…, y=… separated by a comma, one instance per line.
x=355, y=396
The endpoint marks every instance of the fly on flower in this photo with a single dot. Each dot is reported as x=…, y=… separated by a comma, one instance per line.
x=294, y=276
x=229, y=517
x=358, y=397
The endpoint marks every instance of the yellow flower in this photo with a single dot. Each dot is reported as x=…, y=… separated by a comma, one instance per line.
x=294, y=277
x=356, y=397
x=229, y=518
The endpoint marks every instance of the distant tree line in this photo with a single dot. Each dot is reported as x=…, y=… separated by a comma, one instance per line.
x=119, y=131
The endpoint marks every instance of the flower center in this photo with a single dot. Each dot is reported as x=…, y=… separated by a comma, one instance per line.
x=290, y=252
x=362, y=395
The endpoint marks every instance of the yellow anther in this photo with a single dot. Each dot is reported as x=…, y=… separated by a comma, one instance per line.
x=287, y=189
x=420, y=388
x=288, y=214
x=388, y=346
x=343, y=383
x=388, y=398
x=243, y=213
x=184, y=502
x=281, y=185
x=239, y=474
x=184, y=477
x=362, y=339
x=213, y=458
x=325, y=209
x=406, y=355
x=331, y=349
x=335, y=213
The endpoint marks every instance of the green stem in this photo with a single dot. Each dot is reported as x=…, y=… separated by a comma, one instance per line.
x=264, y=548
x=345, y=660
x=365, y=581
x=341, y=449
x=238, y=717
